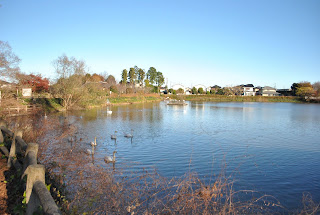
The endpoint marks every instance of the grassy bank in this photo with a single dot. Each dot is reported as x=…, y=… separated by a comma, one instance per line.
x=222, y=98
x=133, y=98
x=47, y=104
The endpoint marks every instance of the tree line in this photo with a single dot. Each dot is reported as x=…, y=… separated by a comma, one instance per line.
x=138, y=76
x=74, y=85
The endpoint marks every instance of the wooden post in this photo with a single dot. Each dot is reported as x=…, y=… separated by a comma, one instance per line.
x=1, y=136
x=34, y=173
x=37, y=193
x=12, y=153
x=18, y=134
x=12, y=158
x=31, y=155
x=3, y=123
x=3, y=148
x=46, y=200
x=3, y=126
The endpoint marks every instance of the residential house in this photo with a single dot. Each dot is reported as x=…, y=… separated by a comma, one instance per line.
x=214, y=89
x=258, y=90
x=285, y=92
x=163, y=90
x=6, y=85
x=269, y=91
x=188, y=91
x=248, y=90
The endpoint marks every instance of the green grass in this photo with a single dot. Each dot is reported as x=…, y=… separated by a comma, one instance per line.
x=49, y=105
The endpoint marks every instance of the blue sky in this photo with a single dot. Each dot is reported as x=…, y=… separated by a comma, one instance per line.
x=230, y=42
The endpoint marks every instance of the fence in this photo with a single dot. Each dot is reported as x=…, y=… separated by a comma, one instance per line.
x=20, y=110
x=36, y=191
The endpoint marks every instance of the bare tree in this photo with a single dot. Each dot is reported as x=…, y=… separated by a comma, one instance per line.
x=66, y=67
x=70, y=84
x=9, y=62
x=316, y=87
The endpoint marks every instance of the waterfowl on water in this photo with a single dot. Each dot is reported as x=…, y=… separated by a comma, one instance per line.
x=90, y=152
x=129, y=135
x=114, y=136
x=109, y=159
x=94, y=143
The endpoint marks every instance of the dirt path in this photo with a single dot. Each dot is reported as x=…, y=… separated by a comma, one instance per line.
x=3, y=186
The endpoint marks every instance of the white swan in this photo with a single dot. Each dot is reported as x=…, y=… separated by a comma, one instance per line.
x=114, y=136
x=129, y=135
x=109, y=159
x=94, y=143
x=109, y=111
x=90, y=152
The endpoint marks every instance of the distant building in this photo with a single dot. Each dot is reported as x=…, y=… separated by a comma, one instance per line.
x=5, y=84
x=188, y=91
x=163, y=90
x=258, y=90
x=285, y=92
x=213, y=89
x=269, y=91
x=248, y=90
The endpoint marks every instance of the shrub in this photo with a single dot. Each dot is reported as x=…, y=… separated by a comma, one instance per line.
x=114, y=89
x=129, y=90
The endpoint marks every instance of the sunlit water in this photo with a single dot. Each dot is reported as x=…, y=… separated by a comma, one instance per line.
x=273, y=148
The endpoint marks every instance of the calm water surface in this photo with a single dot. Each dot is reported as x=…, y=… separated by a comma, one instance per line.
x=273, y=148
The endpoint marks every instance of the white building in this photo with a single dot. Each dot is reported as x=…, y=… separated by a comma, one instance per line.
x=248, y=90
x=187, y=91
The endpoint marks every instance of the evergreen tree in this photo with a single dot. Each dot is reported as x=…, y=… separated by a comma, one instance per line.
x=132, y=75
x=124, y=76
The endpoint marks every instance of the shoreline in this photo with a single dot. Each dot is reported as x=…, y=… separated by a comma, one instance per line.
x=51, y=105
x=223, y=98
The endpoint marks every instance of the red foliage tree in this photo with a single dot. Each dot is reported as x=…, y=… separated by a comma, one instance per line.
x=36, y=82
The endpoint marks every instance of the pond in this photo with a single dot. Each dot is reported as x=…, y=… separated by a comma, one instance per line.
x=272, y=148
